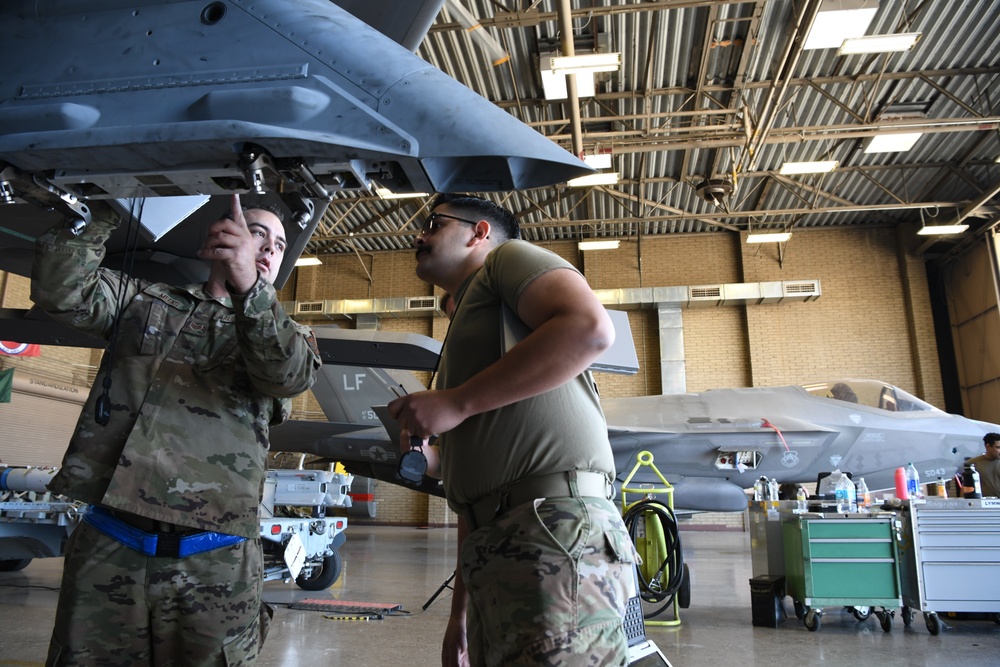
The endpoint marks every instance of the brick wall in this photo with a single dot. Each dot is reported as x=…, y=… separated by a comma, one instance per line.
x=873, y=319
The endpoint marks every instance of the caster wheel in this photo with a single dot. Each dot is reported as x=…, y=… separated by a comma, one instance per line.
x=933, y=623
x=800, y=609
x=812, y=620
x=885, y=618
x=908, y=614
x=861, y=613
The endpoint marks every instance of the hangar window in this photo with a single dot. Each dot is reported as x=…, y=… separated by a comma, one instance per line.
x=872, y=393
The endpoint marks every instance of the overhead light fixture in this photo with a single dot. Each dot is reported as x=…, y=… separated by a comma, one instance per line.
x=586, y=62
x=816, y=167
x=598, y=245
x=598, y=160
x=600, y=178
x=941, y=230
x=554, y=83
x=768, y=237
x=892, y=143
x=838, y=20
x=308, y=261
x=903, y=41
x=386, y=193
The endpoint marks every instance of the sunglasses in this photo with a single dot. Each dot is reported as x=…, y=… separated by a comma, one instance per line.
x=431, y=224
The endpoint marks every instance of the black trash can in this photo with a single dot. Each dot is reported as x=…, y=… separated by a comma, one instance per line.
x=767, y=600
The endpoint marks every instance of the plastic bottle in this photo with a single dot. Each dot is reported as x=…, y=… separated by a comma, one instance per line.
x=971, y=487
x=758, y=489
x=801, y=502
x=942, y=488
x=913, y=482
x=772, y=490
x=864, y=496
x=843, y=492
x=901, y=493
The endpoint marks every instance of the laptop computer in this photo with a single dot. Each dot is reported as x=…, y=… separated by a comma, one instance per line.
x=642, y=651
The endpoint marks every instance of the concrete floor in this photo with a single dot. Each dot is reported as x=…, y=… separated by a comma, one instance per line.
x=405, y=566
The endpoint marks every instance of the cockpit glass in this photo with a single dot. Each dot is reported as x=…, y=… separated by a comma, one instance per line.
x=872, y=393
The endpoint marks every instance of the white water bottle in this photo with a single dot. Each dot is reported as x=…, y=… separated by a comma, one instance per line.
x=913, y=483
x=843, y=493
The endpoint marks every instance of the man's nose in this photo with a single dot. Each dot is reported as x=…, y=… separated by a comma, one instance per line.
x=419, y=240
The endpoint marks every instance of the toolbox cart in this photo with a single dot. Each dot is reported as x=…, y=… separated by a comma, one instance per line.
x=847, y=560
x=949, y=558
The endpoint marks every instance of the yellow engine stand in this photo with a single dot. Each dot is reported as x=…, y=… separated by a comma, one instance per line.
x=652, y=544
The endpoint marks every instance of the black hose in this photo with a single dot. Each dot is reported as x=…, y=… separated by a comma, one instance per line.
x=673, y=564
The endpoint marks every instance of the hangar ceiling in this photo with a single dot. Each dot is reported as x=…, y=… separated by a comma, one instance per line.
x=712, y=97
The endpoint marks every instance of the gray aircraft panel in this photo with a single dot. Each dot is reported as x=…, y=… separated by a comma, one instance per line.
x=161, y=98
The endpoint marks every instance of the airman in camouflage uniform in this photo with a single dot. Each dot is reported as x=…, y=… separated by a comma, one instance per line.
x=167, y=567
x=545, y=564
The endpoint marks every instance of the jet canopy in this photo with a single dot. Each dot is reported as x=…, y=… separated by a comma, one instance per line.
x=872, y=393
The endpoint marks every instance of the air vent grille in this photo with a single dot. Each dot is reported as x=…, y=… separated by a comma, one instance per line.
x=305, y=307
x=422, y=303
x=707, y=292
x=801, y=288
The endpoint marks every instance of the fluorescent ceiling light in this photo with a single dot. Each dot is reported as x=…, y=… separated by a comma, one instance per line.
x=587, y=62
x=386, y=193
x=816, y=167
x=554, y=85
x=838, y=20
x=903, y=41
x=598, y=245
x=769, y=237
x=928, y=230
x=308, y=261
x=601, y=178
x=598, y=160
x=892, y=143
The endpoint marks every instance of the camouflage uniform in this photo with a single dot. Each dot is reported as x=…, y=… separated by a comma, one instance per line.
x=548, y=581
x=196, y=382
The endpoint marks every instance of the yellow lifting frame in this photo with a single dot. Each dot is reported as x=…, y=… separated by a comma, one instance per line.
x=652, y=547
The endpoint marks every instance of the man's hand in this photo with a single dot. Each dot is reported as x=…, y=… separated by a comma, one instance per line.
x=230, y=243
x=427, y=413
x=455, y=648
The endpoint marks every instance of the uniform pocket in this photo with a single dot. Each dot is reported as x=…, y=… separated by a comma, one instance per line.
x=244, y=648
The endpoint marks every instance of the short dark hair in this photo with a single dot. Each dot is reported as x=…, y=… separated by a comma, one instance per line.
x=503, y=224
x=265, y=206
x=990, y=438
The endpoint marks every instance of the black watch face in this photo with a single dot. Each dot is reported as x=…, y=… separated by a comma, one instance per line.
x=412, y=466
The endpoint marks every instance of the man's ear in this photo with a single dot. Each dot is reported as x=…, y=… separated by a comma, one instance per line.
x=482, y=230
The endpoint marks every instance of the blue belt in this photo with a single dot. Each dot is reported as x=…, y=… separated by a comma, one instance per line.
x=165, y=545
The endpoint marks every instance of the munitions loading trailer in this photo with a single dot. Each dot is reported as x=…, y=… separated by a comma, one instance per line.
x=300, y=542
